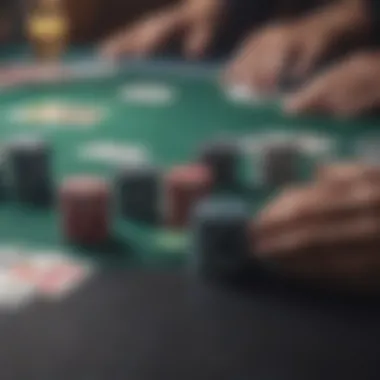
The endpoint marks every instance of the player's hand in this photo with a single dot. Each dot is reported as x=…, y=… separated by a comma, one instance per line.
x=348, y=89
x=293, y=49
x=328, y=231
x=195, y=21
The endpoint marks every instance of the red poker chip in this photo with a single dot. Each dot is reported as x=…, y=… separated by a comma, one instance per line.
x=190, y=176
x=185, y=187
x=85, y=209
x=85, y=187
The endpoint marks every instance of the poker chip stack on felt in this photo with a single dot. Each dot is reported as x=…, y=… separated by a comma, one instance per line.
x=220, y=238
x=85, y=210
x=138, y=193
x=279, y=165
x=185, y=186
x=29, y=167
x=222, y=158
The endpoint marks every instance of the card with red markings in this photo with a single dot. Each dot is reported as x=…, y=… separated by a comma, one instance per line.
x=51, y=277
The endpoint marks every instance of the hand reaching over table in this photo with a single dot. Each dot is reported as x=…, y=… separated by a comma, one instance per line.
x=348, y=89
x=194, y=20
x=327, y=231
x=294, y=48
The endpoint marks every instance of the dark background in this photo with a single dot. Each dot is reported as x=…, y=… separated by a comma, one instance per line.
x=148, y=326
x=92, y=20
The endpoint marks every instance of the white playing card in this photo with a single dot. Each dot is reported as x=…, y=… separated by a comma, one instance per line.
x=51, y=275
x=14, y=292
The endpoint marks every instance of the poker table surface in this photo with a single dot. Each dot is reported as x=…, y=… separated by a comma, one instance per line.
x=142, y=316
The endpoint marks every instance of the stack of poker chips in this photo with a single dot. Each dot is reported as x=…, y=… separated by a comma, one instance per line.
x=138, y=192
x=222, y=159
x=85, y=210
x=185, y=186
x=220, y=238
x=29, y=171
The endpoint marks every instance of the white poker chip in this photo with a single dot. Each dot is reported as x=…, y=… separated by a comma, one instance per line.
x=242, y=94
x=26, y=141
x=114, y=153
x=57, y=112
x=256, y=143
x=315, y=145
x=151, y=94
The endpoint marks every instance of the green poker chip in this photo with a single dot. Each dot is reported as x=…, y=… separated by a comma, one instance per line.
x=172, y=241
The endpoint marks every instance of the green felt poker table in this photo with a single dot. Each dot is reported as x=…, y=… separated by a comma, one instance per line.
x=141, y=315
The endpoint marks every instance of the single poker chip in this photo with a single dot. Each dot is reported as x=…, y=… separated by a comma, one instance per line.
x=58, y=112
x=86, y=187
x=26, y=142
x=151, y=94
x=243, y=94
x=184, y=187
x=172, y=241
x=190, y=176
x=314, y=145
x=112, y=152
x=42, y=112
x=85, y=209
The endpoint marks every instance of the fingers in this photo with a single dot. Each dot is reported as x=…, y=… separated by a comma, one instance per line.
x=198, y=23
x=199, y=38
x=310, y=53
x=322, y=213
x=345, y=172
x=117, y=45
x=320, y=233
x=147, y=36
x=289, y=50
x=310, y=99
x=346, y=90
x=291, y=206
x=261, y=59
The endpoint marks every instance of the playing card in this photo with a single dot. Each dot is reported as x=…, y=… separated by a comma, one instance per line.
x=14, y=292
x=51, y=276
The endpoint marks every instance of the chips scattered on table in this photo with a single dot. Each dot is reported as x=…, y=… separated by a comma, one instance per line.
x=56, y=112
x=115, y=153
x=148, y=94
